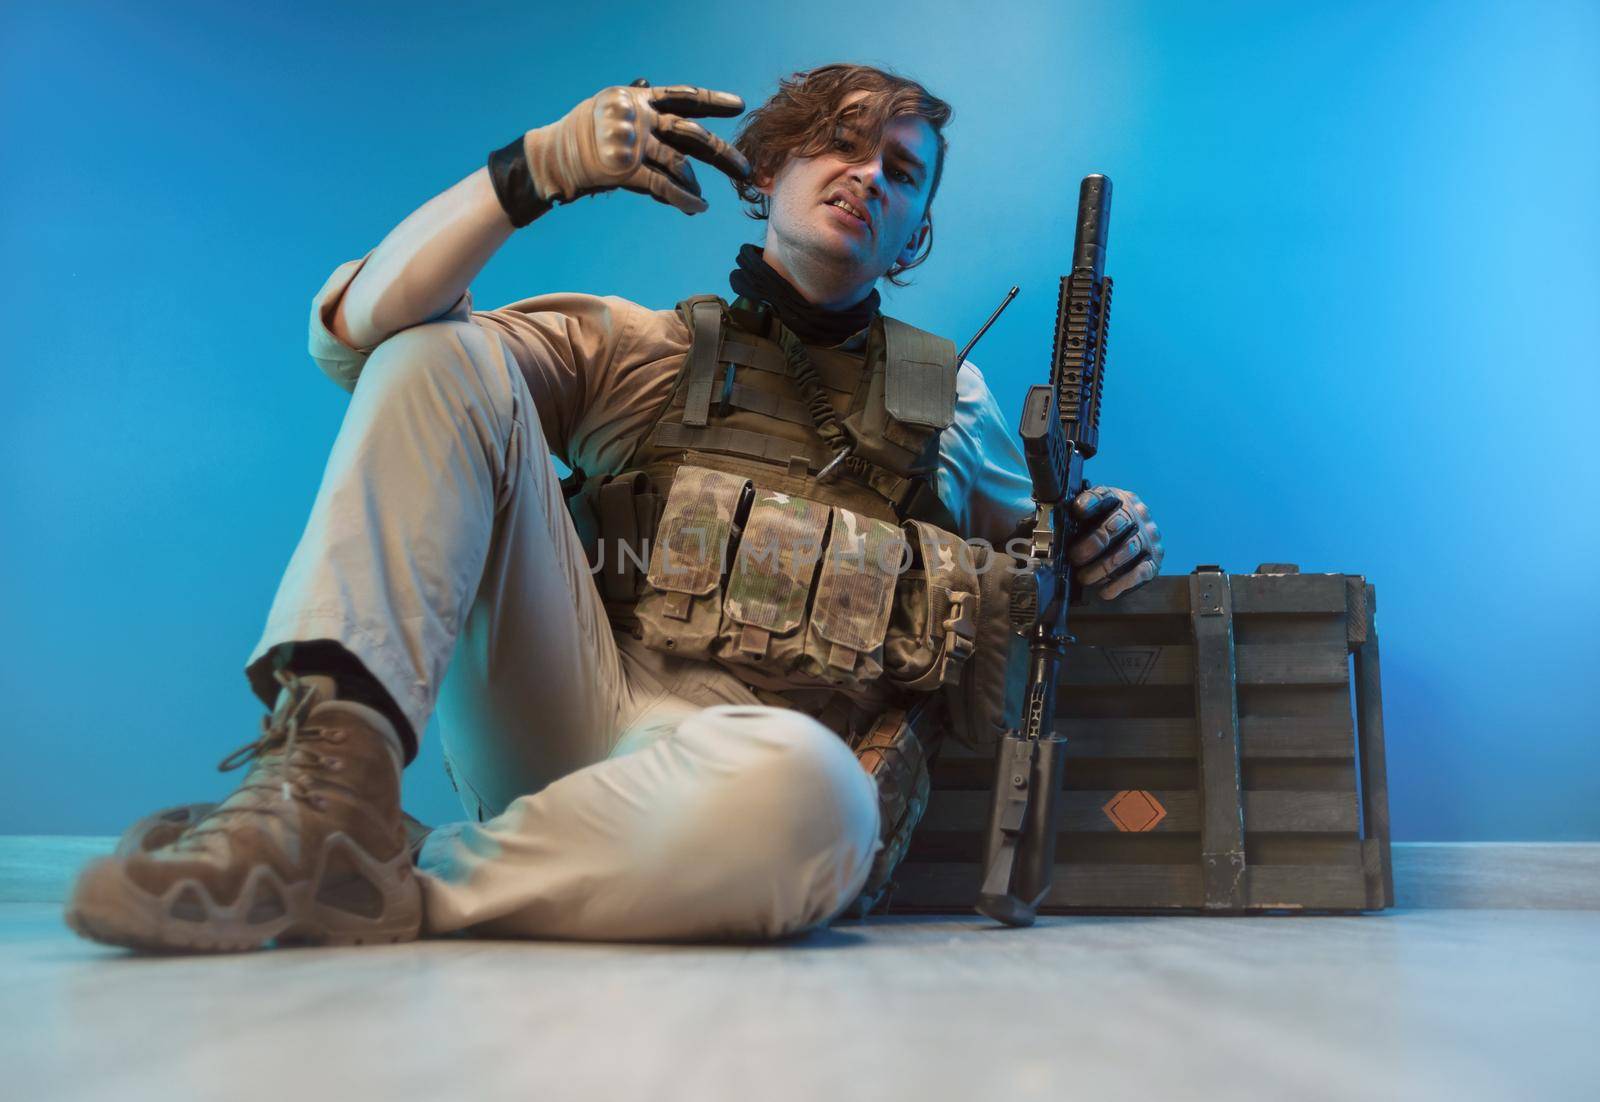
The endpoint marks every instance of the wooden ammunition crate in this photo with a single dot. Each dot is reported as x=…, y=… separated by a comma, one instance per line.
x=1225, y=737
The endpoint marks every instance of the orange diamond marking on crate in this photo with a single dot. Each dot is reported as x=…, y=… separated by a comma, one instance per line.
x=1134, y=811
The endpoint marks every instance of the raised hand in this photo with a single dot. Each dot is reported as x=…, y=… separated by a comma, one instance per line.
x=638, y=138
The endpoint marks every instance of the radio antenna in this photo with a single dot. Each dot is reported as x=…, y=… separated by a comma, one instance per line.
x=976, y=337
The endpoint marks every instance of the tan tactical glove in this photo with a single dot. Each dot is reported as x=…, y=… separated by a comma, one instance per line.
x=1121, y=546
x=635, y=138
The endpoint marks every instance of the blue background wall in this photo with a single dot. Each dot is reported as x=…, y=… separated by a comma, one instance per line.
x=1355, y=246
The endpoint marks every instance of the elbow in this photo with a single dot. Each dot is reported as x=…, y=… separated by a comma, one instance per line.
x=352, y=323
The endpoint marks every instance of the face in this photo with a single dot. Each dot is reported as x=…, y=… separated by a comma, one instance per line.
x=889, y=192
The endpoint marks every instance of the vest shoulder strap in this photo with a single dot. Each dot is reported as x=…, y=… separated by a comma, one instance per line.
x=686, y=307
x=920, y=381
x=703, y=314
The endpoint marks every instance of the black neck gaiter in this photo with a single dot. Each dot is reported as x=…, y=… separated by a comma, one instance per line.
x=755, y=279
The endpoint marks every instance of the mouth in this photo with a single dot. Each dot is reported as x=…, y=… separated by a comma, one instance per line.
x=850, y=208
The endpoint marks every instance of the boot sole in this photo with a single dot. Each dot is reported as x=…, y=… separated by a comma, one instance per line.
x=108, y=907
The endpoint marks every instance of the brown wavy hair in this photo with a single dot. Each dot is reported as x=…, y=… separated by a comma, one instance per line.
x=802, y=118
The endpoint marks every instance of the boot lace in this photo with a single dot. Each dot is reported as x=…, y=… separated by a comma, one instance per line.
x=282, y=768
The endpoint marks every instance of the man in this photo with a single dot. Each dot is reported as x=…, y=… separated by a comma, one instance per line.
x=629, y=778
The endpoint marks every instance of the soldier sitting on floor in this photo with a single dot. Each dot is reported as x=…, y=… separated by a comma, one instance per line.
x=649, y=679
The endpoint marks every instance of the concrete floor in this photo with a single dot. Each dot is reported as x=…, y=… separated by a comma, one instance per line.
x=1411, y=1004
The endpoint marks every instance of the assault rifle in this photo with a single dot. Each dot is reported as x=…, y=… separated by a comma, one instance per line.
x=1060, y=429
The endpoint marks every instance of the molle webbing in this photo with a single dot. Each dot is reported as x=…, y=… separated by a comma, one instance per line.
x=721, y=438
x=744, y=398
x=897, y=490
x=770, y=358
x=795, y=480
x=702, y=367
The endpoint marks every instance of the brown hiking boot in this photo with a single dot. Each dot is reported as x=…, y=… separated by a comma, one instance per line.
x=160, y=828
x=310, y=848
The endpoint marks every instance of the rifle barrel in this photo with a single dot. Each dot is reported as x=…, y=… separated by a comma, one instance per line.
x=1094, y=209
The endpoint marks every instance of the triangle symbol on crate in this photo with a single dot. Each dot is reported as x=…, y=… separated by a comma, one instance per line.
x=1132, y=664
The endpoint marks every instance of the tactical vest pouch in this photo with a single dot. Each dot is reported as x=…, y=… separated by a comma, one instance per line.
x=986, y=703
x=769, y=584
x=934, y=624
x=681, y=609
x=815, y=594
x=855, y=594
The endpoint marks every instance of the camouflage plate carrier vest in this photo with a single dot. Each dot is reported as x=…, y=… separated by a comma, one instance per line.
x=720, y=541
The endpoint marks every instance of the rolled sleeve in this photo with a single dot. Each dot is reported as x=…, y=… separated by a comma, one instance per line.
x=338, y=360
x=598, y=368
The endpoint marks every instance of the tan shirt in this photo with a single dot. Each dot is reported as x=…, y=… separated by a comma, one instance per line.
x=600, y=368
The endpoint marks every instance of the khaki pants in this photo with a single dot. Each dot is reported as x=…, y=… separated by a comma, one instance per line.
x=619, y=793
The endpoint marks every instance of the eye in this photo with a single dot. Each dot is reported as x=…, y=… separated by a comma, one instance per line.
x=904, y=177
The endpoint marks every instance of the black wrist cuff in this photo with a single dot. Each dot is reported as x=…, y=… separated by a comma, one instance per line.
x=513, y=184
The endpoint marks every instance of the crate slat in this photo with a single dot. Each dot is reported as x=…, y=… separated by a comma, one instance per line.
x=1222, y=855
x=1306, y=887
x=1155, y=737
x=1254, y=594
x=1269, y=811
x=1133, y=887
x=1343, y=850
x=1300, y=775
x=1374, y=768
x=1174, y=737
x=1087, y=773
x=1293, y=664
x=953, y=886
x=1299, y=702
x=1282, y=594
x=1256, y=631
x=1281, y=737
x=1305, y=812
x=1258, y=664
x=968, y=813
x=1164, y=596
